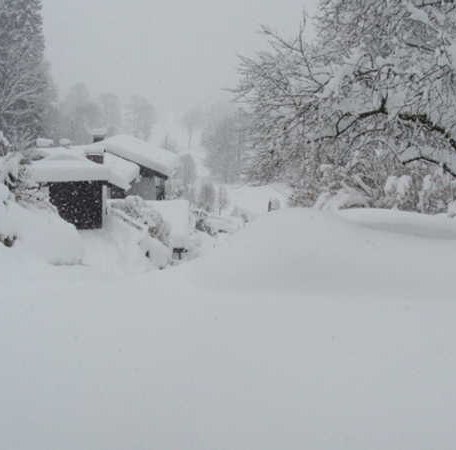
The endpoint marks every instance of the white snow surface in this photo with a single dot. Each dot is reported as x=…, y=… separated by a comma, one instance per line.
x=122, y=173
x=41, y=235
x=65, y=169
x=143, y=153
x=306, y=330
x=177, y=214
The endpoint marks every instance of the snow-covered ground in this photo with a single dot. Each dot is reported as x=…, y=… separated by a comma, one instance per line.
x=305, y=330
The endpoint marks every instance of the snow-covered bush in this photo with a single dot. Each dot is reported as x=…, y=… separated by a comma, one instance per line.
x=343, y=199
x=400, y=192
x=140, y=211
x=451, y=212
x=436, y=192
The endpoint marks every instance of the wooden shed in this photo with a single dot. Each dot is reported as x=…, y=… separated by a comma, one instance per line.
x=77, y=188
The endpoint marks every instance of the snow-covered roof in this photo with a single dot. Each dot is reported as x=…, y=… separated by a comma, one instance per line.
x=122, y=173
x=122, y=157
x=60, y=165
x=55, y=170
x=142, y=153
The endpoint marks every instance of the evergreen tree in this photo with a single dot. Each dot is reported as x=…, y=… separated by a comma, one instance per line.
x=25, y=88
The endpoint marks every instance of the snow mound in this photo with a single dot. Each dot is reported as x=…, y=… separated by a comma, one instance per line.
x=403, y=223
x=313, y=252
x=121, y=248
x=259, y=345
x=255, y=199
x=41, y=234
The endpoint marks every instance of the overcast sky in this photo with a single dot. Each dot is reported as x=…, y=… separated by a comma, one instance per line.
x=175, y=52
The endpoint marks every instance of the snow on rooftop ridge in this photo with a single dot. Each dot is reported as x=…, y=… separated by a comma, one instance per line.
x=142, y=153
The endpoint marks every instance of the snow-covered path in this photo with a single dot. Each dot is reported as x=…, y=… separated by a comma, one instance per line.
x=304, y=331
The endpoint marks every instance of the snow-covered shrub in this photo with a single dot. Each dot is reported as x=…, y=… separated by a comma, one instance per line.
x=343, y=199
x=451, y=212
x=400, y=192
x=436, y=192
x=142, y=212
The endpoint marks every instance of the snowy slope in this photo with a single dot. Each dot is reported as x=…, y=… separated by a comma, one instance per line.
x=305, y=330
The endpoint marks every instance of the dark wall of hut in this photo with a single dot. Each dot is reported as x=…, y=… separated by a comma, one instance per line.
x=150, y=186
x=116, y=192
x=80, y=203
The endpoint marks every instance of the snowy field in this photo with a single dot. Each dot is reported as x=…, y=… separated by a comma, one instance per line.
x=306, y=330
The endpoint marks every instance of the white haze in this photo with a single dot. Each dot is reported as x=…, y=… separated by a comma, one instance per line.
x=177, y=53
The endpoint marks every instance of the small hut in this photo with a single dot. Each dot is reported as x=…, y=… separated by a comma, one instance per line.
x=81, y=178
x=77, y=188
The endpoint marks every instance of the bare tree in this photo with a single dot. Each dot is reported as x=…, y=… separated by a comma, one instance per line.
x=374, y=91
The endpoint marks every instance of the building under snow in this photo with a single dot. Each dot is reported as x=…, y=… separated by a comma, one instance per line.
x=81, y=178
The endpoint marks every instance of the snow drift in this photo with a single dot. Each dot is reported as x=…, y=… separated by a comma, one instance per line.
x=305, y=330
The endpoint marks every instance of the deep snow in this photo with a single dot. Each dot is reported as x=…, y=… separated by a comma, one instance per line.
x=306, y=330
